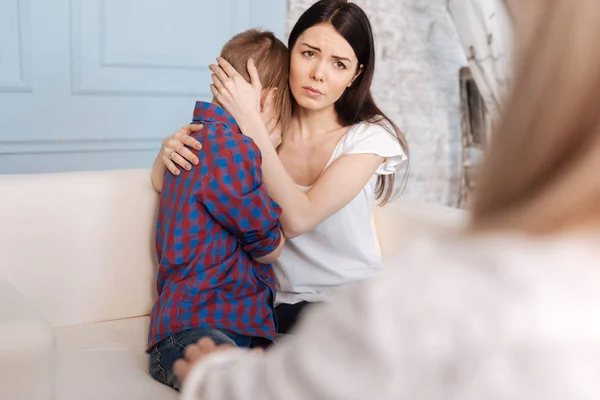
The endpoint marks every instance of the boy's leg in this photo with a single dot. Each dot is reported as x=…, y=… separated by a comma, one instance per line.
x=164, y=354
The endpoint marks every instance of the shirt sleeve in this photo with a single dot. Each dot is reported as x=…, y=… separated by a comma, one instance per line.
x=370, y=138
x=346, y=349
x=417, y=332
x=338, y=353
x=234, y=195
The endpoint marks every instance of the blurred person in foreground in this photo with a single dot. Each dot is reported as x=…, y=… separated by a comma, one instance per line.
x=509, y=310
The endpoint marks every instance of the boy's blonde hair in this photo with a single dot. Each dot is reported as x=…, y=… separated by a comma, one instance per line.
x=542, y=174
x=272, y=60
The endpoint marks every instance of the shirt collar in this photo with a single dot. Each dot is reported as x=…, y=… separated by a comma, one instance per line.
x=208, y=112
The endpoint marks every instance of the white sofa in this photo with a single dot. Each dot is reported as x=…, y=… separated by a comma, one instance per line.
x=77, y=272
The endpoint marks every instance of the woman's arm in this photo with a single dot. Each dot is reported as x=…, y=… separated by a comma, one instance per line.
x=173, y=151
x=338, y=185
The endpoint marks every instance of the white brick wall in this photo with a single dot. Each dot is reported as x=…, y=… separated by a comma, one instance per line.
x=416, y=84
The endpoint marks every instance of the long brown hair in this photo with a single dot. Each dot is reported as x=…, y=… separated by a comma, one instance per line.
x=543, y=170
x=357, y=103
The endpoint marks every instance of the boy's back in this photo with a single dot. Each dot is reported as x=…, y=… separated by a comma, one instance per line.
x=213, y=221
x=216, y=225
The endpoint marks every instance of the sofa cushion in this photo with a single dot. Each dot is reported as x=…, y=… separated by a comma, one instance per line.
x=79, y=245
x=26, y=349
x=106, y=360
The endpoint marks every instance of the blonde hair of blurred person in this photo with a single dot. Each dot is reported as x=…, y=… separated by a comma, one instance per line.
x=542, y=174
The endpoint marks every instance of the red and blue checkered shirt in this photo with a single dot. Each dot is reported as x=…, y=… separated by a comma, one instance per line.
x=212, y=221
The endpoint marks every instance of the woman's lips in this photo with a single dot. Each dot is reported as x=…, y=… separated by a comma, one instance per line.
x=311, y=91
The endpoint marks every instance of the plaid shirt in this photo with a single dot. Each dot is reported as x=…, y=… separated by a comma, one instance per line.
x=211, y=222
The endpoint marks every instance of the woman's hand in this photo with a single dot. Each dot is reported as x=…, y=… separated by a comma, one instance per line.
x=238, y=97
x=195, y=353
x=174, y=151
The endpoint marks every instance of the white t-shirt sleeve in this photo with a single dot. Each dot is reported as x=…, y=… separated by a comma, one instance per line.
x=376, y=340
x=369, y=138
x=447, y=320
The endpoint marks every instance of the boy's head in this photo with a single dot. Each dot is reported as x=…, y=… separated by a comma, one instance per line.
x=272, y=60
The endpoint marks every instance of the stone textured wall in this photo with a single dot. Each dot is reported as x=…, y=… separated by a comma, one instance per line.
x=416, y=84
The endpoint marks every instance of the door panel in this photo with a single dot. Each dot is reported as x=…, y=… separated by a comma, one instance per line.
x=97, y=84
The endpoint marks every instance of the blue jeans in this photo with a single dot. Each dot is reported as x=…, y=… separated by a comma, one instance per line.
x=164, y=354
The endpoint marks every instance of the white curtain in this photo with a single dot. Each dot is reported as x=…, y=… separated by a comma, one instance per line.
x=485, y=31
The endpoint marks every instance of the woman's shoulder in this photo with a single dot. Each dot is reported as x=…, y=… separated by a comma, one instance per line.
x=487, y=292
x=501, y=270
x=374, y=138
x=369, y=130
x=504, y=249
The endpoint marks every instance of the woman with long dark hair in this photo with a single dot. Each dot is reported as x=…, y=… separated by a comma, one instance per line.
x=339, y=154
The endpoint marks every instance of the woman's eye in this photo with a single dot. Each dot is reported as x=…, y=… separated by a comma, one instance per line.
x=340, y=65
x=308, y=53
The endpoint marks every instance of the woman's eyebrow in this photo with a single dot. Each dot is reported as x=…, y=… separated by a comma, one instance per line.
x=318, y=49
x=312, y=47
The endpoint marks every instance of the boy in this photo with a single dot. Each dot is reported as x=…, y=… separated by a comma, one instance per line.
x=217, y=230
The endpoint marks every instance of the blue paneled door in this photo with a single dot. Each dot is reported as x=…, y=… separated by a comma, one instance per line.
x=96, y=84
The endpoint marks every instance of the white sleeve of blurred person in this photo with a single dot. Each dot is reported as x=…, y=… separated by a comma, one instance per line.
x=443, y=321
x=361, y=345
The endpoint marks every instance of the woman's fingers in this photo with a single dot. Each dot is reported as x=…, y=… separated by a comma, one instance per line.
x=186, y=139
x=217, y=82
x=179, y=160
x=215, y=92
x=190, y=128
x=179, y=154
x=181, y=368
x=174, y=151
x=193, y=353
x=184, y=152
x=254, y=78
x=219, y=75
x=206, y=345
x=170, y=165
x=226, y=67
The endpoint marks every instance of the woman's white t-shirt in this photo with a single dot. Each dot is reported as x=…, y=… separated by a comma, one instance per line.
x=342, y=249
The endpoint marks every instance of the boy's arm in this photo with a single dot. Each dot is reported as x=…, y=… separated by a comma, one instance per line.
x=274, y=255
x=234, y=195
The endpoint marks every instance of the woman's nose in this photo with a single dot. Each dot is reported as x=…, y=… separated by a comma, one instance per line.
x=318, y=72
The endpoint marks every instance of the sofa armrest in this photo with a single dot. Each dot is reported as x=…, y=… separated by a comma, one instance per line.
x=26, y=348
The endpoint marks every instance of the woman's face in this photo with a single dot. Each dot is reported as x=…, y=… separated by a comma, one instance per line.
x=323, y=65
